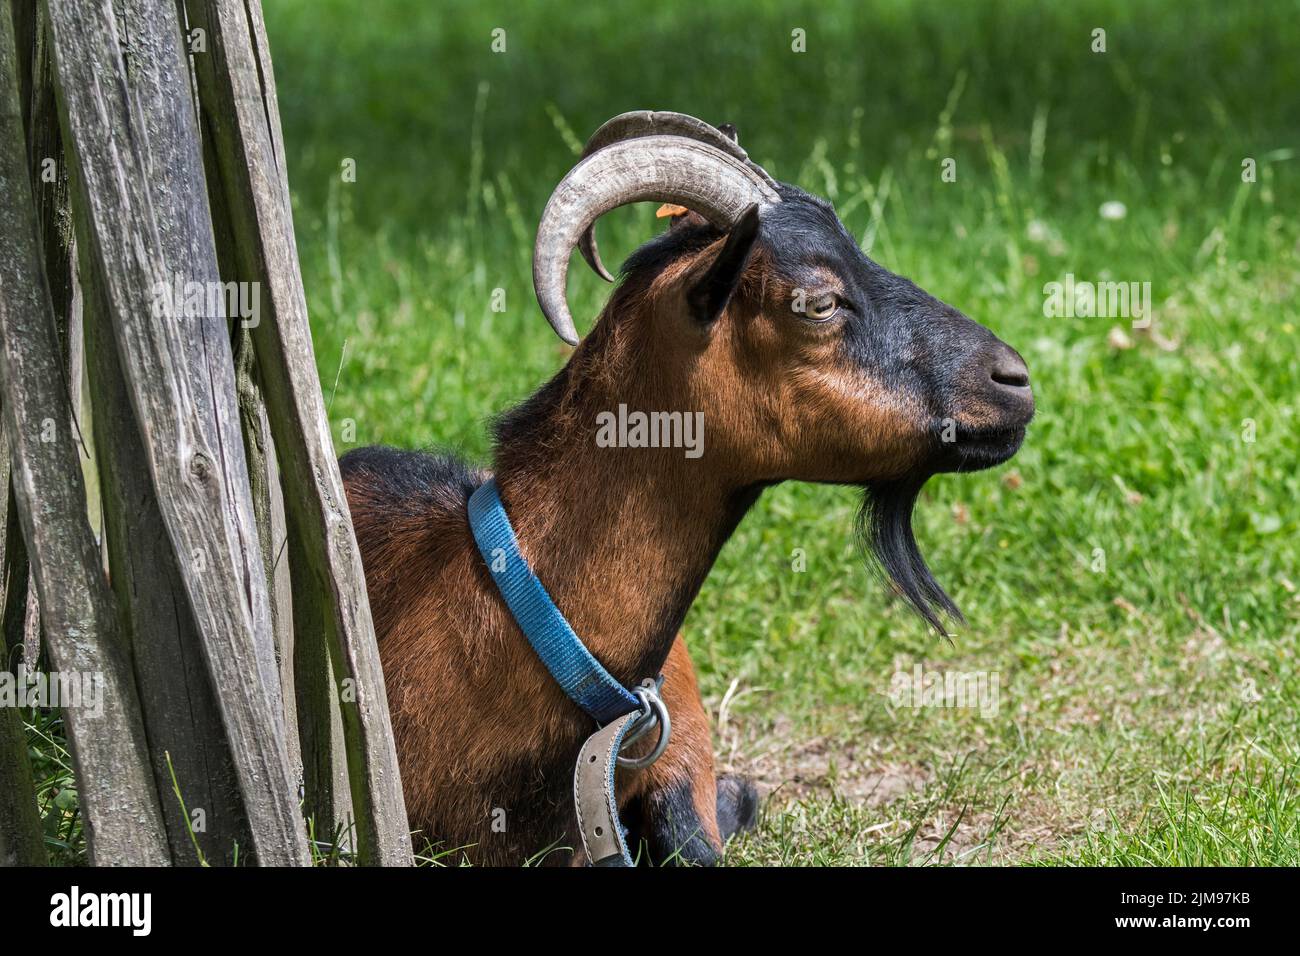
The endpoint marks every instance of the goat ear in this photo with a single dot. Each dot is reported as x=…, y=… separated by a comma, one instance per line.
x=710, y=294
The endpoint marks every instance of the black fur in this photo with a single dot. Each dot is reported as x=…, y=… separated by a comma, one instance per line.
x=666, y=248
x=712, y=293
x=737, y=805
x=536, y=794
x=665, y=827
x=665, y=830
x=884, y=529
x=414, y=481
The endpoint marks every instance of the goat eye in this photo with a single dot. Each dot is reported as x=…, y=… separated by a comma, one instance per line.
x=823, y=307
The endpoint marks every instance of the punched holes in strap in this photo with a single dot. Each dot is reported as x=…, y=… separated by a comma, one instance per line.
x=593, y=796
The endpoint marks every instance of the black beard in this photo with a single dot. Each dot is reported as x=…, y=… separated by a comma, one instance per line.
x=884, y=532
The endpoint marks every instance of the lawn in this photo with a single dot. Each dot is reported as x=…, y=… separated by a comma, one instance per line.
x=1129, y=579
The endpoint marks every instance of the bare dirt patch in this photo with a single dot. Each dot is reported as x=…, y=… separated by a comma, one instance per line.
x=948, y=827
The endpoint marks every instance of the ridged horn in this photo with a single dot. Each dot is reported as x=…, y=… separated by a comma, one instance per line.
x=656, y=123
x=672, y=169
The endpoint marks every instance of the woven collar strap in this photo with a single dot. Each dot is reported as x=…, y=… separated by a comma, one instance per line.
x=574, y=668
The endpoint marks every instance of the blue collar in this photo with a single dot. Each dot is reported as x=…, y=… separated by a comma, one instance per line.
x=574, y=668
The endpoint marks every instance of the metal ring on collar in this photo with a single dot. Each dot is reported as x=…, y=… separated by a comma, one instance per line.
x=655, y=712
x=647, y=719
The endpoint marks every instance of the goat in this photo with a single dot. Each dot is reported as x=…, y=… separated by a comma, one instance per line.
x=809, y=361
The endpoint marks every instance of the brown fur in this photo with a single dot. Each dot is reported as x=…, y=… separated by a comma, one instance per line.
x=622, y=538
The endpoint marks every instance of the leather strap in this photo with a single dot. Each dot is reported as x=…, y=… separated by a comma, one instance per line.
x=593, y=796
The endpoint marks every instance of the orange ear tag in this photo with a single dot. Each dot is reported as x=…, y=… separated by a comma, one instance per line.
x=668, y=209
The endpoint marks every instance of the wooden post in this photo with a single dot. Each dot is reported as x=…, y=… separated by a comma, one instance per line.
x=201, y=480
x=124, y=823
x=22, y=840
x=237, y=95
x=234, y=651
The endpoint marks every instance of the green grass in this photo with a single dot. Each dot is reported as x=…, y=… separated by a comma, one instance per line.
x=1240, y=820
x=1130, y=576
x=56, y=788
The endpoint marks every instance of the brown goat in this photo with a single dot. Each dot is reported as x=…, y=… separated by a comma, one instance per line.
x=809, y=362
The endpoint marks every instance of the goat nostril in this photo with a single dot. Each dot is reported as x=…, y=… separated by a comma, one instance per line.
x=1010, y=372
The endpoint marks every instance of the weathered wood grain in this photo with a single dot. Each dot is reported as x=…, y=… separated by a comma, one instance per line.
x=321, y=735
x=268, y=507
x=49, y=178
x=21, y=836
x=53, y=202
x=237, y=95
x=119, y=802
x=159, y=82
x=22, y=841
x=15, y=575
x=281, y=594
x=188, y=427
x=180, y=709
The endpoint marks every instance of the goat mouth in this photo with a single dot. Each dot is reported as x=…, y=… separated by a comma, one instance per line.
x=972, y=449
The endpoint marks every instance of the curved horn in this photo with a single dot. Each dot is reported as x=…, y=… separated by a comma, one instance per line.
x=655, y=123
x=646, y=169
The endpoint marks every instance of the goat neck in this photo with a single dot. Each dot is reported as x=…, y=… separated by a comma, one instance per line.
x=621, y=537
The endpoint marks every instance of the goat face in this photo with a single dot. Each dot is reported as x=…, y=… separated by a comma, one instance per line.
x=818, y=364
x=809, y=360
